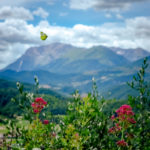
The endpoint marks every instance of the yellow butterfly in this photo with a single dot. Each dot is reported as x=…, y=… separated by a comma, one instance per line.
x=43, y=36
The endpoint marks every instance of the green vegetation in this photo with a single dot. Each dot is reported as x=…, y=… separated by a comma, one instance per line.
x=8, y=90
x=90, y=122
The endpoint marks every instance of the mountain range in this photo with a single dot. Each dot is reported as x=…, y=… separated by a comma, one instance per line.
x=65, y=68
x=62, y=58
x=131, y=54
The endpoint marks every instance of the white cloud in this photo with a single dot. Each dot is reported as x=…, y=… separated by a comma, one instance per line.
x=24, y=2
x=8, y=12
x=119, y=16
x=17, y=35
x=17, y=31
x=41, y=12
x=63, y=14
x=113, y=5
x=11, y=53
x=107, y=15
x=82, y=4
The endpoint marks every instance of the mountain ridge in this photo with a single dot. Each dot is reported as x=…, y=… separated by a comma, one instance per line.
x=60, y=58
x=131, y=54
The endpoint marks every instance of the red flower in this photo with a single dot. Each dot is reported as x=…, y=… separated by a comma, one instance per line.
x=113, y=117
x=124, y=109
x=112, y=130
x=77, y=135
x=46, y=122
x=122, y=143
x=123, y=117
x=115, y=129
x=131, y=120
x=36, y=111
x=38, y=104
x=118, y=127
x=53, y=134
x=40, y=100
x=130, y=113
x=125, y=113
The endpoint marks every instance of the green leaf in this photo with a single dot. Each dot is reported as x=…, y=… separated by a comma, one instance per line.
x=43, y=36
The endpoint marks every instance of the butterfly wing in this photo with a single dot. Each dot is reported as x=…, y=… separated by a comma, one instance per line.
x=43, y=36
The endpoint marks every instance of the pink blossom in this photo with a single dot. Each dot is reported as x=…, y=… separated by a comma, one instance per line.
x=122, y=143
x=131, y=120
x=46, y=122
x=130, y=113
x=112, y=130
x=112, y=117
x=38, y=104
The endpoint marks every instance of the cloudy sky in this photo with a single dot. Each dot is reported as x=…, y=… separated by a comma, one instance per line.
x=82, y=23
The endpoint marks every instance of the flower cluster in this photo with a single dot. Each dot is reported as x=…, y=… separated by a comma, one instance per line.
x=46, y=122
x=123, y=118
x=115, y=129
x=121, y=143
x=38, y=104
x=124, y=114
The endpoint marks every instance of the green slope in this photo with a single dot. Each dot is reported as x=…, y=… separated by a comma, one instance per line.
x=8, y=90
x=95, y=58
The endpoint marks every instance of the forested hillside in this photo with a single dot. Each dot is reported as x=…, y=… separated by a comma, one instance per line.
x=8, y=90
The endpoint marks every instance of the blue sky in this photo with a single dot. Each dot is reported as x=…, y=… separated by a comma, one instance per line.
x=82, y=23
